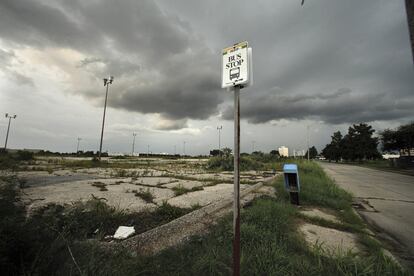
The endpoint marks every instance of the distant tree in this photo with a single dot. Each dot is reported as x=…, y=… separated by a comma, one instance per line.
x=327, y=152
x=313, y=152
x=333, y=151
x=359, y=143
x=227, y=152
x=274, y=153
x=214, y=152
x=401, y=138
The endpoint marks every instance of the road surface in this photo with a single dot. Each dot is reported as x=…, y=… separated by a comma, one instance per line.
x=389, y=197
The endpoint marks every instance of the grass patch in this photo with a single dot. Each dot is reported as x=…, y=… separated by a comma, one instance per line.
x=146, y=195
x=100, y=185
x=226, y=163
x=42, y=243
x=180, y=189
x=12, y=161
x=270, y=244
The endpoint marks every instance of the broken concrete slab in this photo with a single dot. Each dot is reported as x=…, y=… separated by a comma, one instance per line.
x=330, y=240
x=187, y=184
x=317, y=213
x=205, y=197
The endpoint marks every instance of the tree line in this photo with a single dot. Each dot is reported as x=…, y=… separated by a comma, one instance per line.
x=360, y=144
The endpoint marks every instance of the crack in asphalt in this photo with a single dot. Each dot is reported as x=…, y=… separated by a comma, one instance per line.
x=387, y=199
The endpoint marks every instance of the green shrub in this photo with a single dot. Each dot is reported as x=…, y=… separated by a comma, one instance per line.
x=223, y=163
x=147, y=196
x=24, y=155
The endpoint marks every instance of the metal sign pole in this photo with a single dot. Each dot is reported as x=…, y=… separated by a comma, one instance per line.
x=236, y=202
x=103, y=122
x=7, y=135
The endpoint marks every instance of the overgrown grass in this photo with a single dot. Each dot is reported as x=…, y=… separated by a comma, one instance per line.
x=223, y=163
x=270, y=242
x=180, y=189
x=13, y=160
x=100, y=185
x=42, y=243
x=146, y=195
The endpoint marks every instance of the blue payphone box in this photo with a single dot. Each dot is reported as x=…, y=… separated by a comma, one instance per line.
x=291, y=175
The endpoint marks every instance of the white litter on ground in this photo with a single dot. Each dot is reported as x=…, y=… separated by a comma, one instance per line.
x=124, y=232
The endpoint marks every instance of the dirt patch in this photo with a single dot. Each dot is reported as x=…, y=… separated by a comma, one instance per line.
x=331, y=241
x=317, y=213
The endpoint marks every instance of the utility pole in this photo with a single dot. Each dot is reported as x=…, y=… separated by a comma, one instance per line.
x=107, y=82
x=219, y=131
x=308, y=139
x=8, y=128
x=147, y=150
x=133, y=143
x=77, y=147
x=184, y=148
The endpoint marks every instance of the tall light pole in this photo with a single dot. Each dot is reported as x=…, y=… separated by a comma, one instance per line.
x=77, y=147
x=219, y=131
x=107, y=82
x=133, y=143
x=8, y=128
x=307, y=128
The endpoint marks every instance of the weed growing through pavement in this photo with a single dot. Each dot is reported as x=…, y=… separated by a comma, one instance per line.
x=100, y=185
x=180, y=189
x=146, y=195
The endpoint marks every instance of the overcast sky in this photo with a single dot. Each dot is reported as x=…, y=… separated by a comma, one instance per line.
x=325, y=65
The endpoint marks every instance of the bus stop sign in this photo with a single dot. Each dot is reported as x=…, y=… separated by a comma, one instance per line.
x=236, y=68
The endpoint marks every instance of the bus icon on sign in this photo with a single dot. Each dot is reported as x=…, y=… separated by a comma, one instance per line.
x=235, y=73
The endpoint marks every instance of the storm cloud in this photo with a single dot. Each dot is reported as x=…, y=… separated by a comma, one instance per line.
x=335, y=61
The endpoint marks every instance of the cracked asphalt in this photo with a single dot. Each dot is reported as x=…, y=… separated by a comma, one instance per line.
x=391, y=196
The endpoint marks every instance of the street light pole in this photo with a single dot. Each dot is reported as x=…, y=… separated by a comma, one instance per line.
x=77, y=147
x=107, y=82
x=8, y=128
x=133, y=143
x=219, y=131
x=308, y=139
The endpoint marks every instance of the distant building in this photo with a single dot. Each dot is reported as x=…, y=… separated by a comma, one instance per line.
x=283, y=151
x=390, y=155
x=298, y=153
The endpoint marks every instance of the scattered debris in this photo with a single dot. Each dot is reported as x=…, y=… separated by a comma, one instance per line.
x=124, y=232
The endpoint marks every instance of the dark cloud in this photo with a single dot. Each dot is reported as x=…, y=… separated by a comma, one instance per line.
x=159, y=64
x=342, y=106
x=165, y=55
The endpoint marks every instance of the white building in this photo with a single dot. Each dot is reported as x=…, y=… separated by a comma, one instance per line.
x=283, y=151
